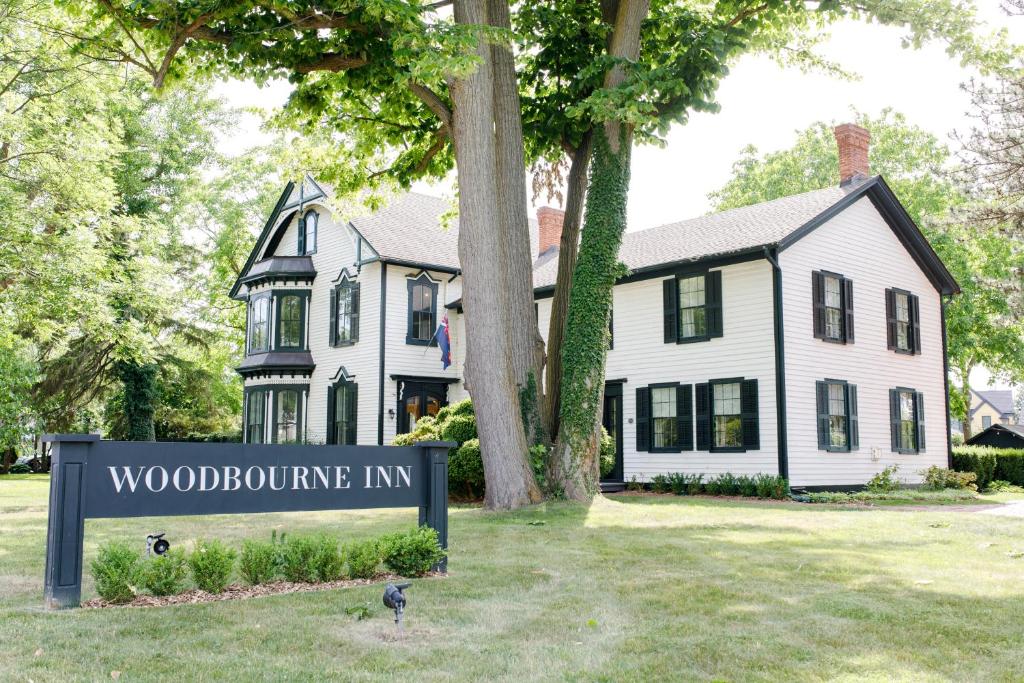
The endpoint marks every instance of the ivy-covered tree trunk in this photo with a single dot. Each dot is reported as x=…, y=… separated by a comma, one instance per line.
x=138, y=400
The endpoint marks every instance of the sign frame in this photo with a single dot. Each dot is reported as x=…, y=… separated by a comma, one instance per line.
x=91, y=478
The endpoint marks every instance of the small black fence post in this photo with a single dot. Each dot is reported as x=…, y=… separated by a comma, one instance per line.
x=65, y=529
x=435, y=513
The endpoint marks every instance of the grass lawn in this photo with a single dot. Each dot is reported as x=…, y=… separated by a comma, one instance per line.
x=631, y=588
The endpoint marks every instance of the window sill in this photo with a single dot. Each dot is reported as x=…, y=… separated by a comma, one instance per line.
x=835, y=449
x=723, y=449
x=338, y=345
x=693, y=340
x=830, y=340
x=904, y=352
x=418, y=342
x=665, y=450
x=908, y=451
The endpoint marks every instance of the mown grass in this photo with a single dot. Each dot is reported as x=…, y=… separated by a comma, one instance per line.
x=629, y=588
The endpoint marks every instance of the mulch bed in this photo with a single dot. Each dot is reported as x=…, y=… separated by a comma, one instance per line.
x=237, y=591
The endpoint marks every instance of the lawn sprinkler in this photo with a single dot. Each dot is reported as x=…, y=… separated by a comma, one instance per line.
x=394, y=599
x=156, y=544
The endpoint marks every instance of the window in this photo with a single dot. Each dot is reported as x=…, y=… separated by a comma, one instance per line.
x=342, y=413
x=833, y=307
x=728, y=423
x=422, y=310
x=307, y=233
x=286, y=422
x=692, y=322
x=986, y=421
x=664, y=418
x=727, y=415
x=255, y=417
x=903, y=324
x=906, y=412
x=692, y=305
x=837, y=415
x=259, y=324
x=345, y=313
x=290, y=322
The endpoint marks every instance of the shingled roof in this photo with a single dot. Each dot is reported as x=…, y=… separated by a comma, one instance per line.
x=1000, y=399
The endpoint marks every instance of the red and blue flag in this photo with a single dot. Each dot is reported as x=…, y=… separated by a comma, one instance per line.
x=444, y=342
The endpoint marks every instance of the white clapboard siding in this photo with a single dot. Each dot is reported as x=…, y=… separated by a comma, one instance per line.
x=641, y=357
x=859, y=245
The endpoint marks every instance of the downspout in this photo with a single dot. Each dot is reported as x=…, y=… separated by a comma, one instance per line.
x=771, y=255
x=943, y=302
x=380, y=355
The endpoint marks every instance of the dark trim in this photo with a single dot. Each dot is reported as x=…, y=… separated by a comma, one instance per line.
x=249, y=350
x=616, y=381
x=780, y=363
x=945, y=379
x=421, y=279
x=302, y=396
x=712, y=448
x=828, y=448
x=678, y=448
x=382, y=312
x=419, y=387
x=302, y=249
x=421, y=265
x=268, y=363
x=424, y=378
x=887, y=204
x=274, y=214
x=304, y=298
x=275, y=237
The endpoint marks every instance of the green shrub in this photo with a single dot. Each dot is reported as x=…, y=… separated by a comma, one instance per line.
x=413, y=553
x=19, y=468
x=728, y=485
x=634, y=485
x=297, y=553
x=457, y=428
x=607, y=453
x=660, y=483
x=463, y=407
x=771, y=486
x=116, y=572
x=164, y=574
x=363, y=559
x=746, y=486
x=900, y=496
x=677, y=482
x=538, y=455
x=1010, y=465
x=978, y=459
x=211, y=563
x=1002, y=485
x=885, y=481
x=939, y=478
x=466, y=470
x=695, y=484
x=259, y=561
x=328, y=563
x=712, y=487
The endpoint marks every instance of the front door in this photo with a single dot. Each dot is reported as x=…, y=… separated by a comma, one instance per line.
x=416, y=399
x=612, y=421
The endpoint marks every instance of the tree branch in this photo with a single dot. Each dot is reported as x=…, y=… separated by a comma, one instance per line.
x=433, y=102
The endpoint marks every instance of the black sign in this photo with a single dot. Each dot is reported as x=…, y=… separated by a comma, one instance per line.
x=91, y=478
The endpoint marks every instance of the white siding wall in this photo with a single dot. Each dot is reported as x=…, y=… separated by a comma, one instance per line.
x=859, y=244
x=746, y=350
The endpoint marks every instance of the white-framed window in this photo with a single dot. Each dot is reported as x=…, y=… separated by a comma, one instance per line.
x=727, y=425
x=664, y=418
x=259, y=323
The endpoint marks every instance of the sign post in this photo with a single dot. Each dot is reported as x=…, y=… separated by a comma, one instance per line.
x=92, y=479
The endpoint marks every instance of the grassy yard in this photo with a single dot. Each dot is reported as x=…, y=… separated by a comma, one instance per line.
x=631, y=588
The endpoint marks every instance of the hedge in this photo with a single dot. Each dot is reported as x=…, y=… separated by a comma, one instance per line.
x=1006, y=464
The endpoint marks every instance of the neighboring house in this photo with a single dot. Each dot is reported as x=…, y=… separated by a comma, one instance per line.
x=990, y=408
x=1000, y=436
x=803, y=336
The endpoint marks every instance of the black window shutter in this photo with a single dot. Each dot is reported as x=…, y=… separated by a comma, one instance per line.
x=702, y=405
x=749, y=414
x=890, y=318
x=353, y=414
x=818, y=296
x=684, y=416
x=333, y=334
x=919, y=417
x=894, y=418
x=713, y=303
x=915, y=323
x=848, y=310
x=355, y=312
x=302, y=236
x=853, y=423
x=330, y=415
x=643, y=419
x=821, y=389
x=670, y=306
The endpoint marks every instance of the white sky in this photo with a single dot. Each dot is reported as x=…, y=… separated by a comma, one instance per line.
x=761, y=104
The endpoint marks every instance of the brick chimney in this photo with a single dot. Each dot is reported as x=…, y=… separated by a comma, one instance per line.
x=549, y=234
x=853, y=142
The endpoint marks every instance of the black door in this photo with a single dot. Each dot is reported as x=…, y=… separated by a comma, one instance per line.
x=612, y=421
x=416, y=399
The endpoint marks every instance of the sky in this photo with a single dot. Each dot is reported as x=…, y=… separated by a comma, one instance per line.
x=762, y=104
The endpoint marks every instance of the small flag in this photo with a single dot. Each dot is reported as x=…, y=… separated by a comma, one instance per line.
x=444, y=342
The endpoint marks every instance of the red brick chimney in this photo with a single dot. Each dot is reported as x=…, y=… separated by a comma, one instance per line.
x=853, y=142
x=549, y=221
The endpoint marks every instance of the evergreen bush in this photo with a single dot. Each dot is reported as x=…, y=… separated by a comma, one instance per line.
x=466, y=470
x=116, y=572
x=413, y=553
x=259, y=562
x=363, y=559
x=211, y=563
x=164, y=574
x=981, y=460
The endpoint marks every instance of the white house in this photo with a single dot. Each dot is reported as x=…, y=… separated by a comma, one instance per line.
x=802, y=336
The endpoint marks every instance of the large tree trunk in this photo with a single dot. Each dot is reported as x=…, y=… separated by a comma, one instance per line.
x=139, y=387
x=965, y=397
x=567, y=251
x=489, y=367
x=524, y=338
x=576, y=457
